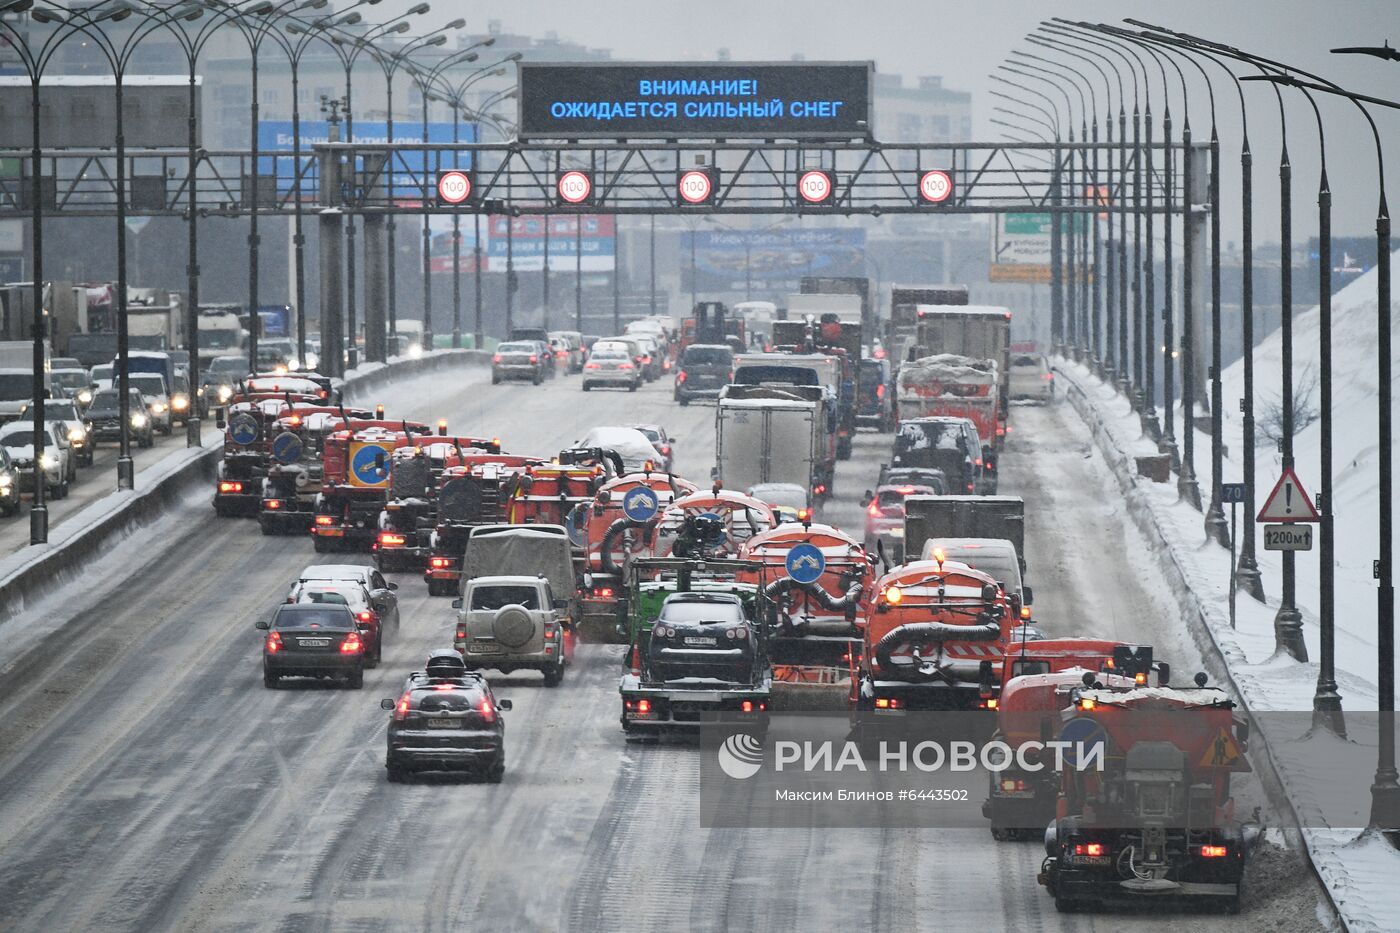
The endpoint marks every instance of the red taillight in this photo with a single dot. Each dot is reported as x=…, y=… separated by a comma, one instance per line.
x=603, y=592
x=880, y=390
x=391, y=539
x=1047, y=376
x=646, y=361
x=969, y=487
x=534, y=357
x=747, y=706
x=325, y=519
x=273, y=504
x=562, y=355
x=351, y=644
x=665, y=450
x=979, y=461
x=874, y=510
x=488, y=712
x=626, y=366
x=274, y=642
x=1094, y=849
x=644, y=706
x=364, y=616
x=496, y=358
x=1213, y=851
x=819, y=490
x=591, y=365
x=401, y=711
x=440, y=563
x=680, y=377
x=230, y=487
x=887, y=703
x=1011, y=786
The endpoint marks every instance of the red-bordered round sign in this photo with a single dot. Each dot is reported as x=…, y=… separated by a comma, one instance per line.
x=695, y=187
x=575, y=187
x=815, y=187
x=454, y=187
x=935, y=186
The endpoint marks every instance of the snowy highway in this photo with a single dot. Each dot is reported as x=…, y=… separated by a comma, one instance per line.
x=151, y=782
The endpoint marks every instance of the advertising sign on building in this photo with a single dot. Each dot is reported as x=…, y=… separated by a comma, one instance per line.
x=408, y=170
x=770, y=262
x=521, y=240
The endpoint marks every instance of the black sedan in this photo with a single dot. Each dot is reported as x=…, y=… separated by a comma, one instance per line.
x=309, y=640
x=446, y=724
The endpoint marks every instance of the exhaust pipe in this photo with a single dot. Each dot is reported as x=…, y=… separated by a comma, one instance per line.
x=847, y=603
x=615, y=531
x=919, y=669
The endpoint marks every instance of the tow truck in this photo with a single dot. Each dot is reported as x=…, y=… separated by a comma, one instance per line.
x=355, y=466
x=617, y=526
x=469, y=495
x=660, y=691
x=1158, y=821
x=407, y=522
x=294, y=467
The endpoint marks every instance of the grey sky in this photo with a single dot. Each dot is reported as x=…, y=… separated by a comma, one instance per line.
x=965, y=40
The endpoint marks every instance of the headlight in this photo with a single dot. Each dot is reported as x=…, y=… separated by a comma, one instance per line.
x=4, y=481
x=280, y=369
x=139, y=420
x=48, y=461
x=158, y=407
x=180, y=403
x=225, y=393
x=293, y=363
x=77, y=435
x=85, y=396
x=312, y=360
x=415, y=351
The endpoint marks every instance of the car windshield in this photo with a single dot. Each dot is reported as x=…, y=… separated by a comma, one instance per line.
x=703, y=611
x=71, y=379
x=494, y=596
x=218, y=339
x=1032, y=361
x=707, y=356
x=18, y=438
x=231, y=365
x=148, y=384
x=919, y=435
x=16, y=386
x=997, y=563
x=871, y=369
x=890, y=501
x=651, y=434
x=307, y=617
x=609, y=353
x=517, y=348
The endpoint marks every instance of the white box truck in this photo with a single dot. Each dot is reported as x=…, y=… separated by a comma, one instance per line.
x=775, y=434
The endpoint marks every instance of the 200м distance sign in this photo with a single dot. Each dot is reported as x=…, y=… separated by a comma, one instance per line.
x=775, y=100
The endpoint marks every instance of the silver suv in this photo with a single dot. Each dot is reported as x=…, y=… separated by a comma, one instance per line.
x=511, y=623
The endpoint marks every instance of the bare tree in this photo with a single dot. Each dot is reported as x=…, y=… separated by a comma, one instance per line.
x=1305, y=410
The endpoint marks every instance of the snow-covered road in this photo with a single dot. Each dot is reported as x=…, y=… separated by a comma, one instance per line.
x=151, y=782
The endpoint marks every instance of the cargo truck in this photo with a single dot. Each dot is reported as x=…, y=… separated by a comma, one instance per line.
x=902, y=327
x=775, y=434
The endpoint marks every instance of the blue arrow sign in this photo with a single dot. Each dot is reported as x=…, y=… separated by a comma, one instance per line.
x=286, y=447
x=1081, y=732
x=805, y=563
x=243, y=429
x=364, y=465
x=640, y=504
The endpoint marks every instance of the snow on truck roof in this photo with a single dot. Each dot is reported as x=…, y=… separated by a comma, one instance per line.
x=963, y=310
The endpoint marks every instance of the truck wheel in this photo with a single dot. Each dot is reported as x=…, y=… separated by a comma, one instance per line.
x=553, y=676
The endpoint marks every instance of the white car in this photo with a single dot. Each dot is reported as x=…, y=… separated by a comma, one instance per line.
x=152, y=385
x=1031, y=377
x=631, y=445
x=17, y=438
x=786, y=500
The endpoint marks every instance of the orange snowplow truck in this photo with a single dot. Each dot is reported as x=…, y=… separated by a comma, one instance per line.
x=248, y=449
x=935, y=635
x=818, y=623
x=1145, y=808
x=545, y=494
x=356, y=463
x=294, y=468
x=1037, y=679
x=471, y=494
x=619, y=524
x=410, y=513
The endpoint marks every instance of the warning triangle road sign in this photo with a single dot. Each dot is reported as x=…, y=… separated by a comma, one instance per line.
x=1223, y=752
x=1288, y=502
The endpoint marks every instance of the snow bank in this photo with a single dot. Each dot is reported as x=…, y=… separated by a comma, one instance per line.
x=1358, y=871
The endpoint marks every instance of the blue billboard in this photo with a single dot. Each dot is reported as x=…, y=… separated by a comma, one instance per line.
x=276, y=136
x=769, y=262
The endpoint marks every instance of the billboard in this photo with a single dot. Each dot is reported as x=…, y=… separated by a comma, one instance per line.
x=770, y=262
x=1021, y=248
x=276, y=136
x=523, y=238
x=785, y=100
x=440, y=229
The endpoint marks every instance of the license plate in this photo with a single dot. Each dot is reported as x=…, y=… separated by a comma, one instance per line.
x=314, y=642
x=896, y=532
x=702, y=641
x=444, y=723
x=331, y=532
x=485, y=649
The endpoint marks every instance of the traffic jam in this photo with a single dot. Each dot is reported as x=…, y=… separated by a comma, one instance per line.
x=728, y=594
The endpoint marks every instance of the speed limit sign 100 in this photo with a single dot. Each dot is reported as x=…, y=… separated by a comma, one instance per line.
x=816, y=187
x=696, y=187
x=575, y=187
x=935, y=186
x=454, y=187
